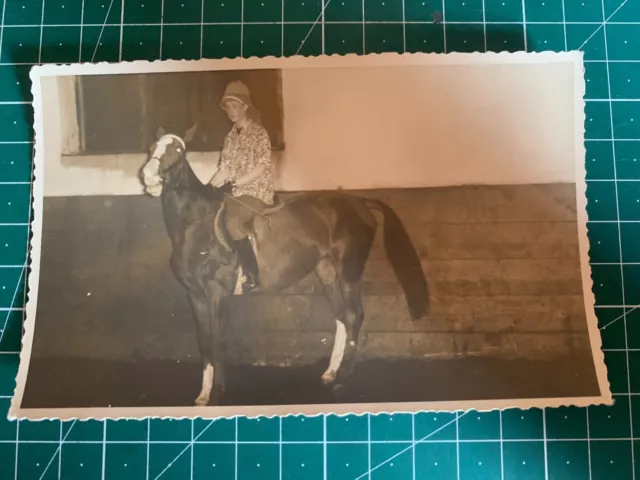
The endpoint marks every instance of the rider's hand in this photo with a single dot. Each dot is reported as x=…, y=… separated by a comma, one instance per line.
x=220, y=178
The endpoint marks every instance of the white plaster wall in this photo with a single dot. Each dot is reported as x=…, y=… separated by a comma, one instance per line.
x=384, y=128
x=423, y=127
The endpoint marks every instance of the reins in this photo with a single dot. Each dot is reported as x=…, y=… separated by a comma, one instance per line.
x=172, y=166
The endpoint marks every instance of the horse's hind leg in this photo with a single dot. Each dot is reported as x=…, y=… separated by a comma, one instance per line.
x=349, y=320
x=347, y=307
x=337, y=354
x=353, y=319
x=329, y=278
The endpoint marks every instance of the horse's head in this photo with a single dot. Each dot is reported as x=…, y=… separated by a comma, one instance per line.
x=165, y=159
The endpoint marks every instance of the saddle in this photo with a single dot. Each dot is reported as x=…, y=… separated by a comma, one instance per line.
x=266, y=212
x=252, y=224
x=236, y=227
x=262, y=212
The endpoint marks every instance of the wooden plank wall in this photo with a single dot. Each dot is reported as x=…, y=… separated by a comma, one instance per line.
x=502, y=264
x=504, y=276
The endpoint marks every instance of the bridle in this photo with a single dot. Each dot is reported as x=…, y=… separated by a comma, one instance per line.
x=178, y=162
x=170, y=167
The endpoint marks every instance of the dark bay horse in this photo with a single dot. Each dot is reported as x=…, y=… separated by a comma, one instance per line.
x=330, y=233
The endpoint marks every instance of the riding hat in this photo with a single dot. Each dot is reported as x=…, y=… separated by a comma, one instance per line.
x=238, y=91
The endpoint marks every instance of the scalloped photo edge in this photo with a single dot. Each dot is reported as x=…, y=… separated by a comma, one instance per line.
x=353, y=61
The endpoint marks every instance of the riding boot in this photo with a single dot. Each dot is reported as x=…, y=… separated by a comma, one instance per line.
x=249, y=263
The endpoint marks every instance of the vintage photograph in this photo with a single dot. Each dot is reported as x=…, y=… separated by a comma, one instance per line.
x=306, y=235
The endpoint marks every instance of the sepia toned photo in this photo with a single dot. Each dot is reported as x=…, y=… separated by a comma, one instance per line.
x=309, y=235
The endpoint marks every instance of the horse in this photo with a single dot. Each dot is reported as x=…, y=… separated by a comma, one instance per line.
x=329, y=232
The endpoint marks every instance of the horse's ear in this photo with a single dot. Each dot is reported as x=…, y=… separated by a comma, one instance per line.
x=160, y=132
x=189, y=134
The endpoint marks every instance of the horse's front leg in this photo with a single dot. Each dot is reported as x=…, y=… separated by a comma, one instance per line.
x=217, y=311
x=201, y=309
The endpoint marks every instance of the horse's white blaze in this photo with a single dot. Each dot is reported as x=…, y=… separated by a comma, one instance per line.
x=207, y=385
x=337, y=353
x=151, y=177
x=151, y=171
x=161, y=147
x=164, y=142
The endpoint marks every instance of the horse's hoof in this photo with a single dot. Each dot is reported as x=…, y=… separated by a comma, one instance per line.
x=202, y=401
x=328, y=378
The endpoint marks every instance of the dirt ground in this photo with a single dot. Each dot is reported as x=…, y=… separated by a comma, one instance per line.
x=86, y=383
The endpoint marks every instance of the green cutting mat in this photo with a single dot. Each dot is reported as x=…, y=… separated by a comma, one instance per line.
x=569, y=443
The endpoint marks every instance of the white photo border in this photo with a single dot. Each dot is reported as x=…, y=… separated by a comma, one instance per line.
x=328, y=61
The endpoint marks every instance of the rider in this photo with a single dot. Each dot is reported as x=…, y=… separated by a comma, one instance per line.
x=245, y=163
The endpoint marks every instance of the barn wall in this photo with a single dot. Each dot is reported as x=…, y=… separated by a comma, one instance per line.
x=381, y=127
x=502, y=264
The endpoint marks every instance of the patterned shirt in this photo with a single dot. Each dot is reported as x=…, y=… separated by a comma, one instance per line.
x=244, y=149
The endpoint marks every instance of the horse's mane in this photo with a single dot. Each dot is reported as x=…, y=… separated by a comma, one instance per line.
x=211, y=193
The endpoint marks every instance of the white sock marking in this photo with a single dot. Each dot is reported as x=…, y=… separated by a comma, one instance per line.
x=207, y=385
x=337, y=353
x=239, y=282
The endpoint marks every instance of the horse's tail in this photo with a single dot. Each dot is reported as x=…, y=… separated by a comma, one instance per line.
x=404, y=260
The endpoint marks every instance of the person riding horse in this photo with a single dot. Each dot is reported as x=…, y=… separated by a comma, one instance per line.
x=246, y=165
x=335, y=233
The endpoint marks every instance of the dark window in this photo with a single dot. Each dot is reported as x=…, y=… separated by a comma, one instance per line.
x=121, y=113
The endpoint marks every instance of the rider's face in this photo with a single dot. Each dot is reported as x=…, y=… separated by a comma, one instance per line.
x=235, y=110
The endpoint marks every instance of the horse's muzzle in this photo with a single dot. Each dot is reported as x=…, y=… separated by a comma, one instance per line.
x=151, y=177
